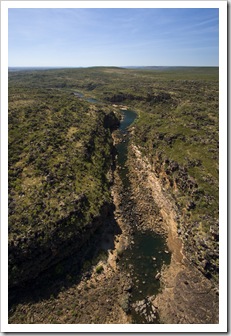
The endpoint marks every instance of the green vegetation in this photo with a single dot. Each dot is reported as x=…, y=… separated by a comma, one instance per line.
x=60, y=154
x=99, y=269
x=60, y=151
x=185, y=131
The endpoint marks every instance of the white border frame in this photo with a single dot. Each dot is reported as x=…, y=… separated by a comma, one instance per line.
x=222, y=326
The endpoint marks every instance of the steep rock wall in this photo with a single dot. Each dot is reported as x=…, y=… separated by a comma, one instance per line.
x=187, y=295
x=55, y=232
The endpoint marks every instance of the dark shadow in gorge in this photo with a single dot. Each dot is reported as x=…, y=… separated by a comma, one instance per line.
x=71, y=270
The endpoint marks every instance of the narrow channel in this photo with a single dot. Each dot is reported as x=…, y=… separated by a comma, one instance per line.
x=148, y=251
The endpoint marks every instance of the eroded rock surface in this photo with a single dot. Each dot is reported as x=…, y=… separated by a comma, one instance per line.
x=187, y=296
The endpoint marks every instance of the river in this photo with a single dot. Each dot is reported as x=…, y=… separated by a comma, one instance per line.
x=148, y=251
x=75, y=292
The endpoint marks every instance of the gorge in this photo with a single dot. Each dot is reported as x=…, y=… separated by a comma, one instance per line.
x=114, y=234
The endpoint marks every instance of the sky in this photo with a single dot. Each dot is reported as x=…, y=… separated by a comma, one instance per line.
x=82, y=37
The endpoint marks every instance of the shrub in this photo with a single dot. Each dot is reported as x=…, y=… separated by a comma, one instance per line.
x=99, y=269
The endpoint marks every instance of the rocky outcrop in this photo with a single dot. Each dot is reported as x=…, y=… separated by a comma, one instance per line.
x=146, y=309
x=99, y=295
x=201, y=245
x=120, y=97
x=111, y=121
x=187, y=295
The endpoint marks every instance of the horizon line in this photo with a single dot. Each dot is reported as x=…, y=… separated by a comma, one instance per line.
x=114, y=66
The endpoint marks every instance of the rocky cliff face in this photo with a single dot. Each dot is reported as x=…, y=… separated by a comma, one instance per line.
x=32, y=255
x=201, y=248
x=188, y=296
x=55, y=217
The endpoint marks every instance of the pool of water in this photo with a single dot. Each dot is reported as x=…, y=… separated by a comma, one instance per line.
x=148, y=251
x=145, y=259
x=78, y=94
x=88, y=99
x=92, y=100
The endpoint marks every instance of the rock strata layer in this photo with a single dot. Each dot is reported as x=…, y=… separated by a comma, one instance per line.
x=187, y=296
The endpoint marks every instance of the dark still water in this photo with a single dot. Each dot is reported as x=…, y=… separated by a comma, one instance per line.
x=148, y=251
x=146, y=257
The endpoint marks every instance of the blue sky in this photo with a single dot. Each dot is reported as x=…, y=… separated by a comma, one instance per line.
x=113, y=37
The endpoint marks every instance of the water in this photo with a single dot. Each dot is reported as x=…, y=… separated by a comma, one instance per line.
x=148, y=251
x=143, y=259
x=78, y=94
x=88, y=99
x=92, y=100
x=147, y=256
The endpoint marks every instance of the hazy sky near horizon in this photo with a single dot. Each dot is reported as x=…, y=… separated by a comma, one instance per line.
x=113, y=37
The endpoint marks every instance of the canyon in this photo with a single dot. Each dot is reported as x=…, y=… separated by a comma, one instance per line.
x=123, y=234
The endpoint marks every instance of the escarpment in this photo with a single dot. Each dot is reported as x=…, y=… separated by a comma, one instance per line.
x=189, y=289
x=59, y=182
x=173, y=166
x=113, y=209
x=198, y=230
